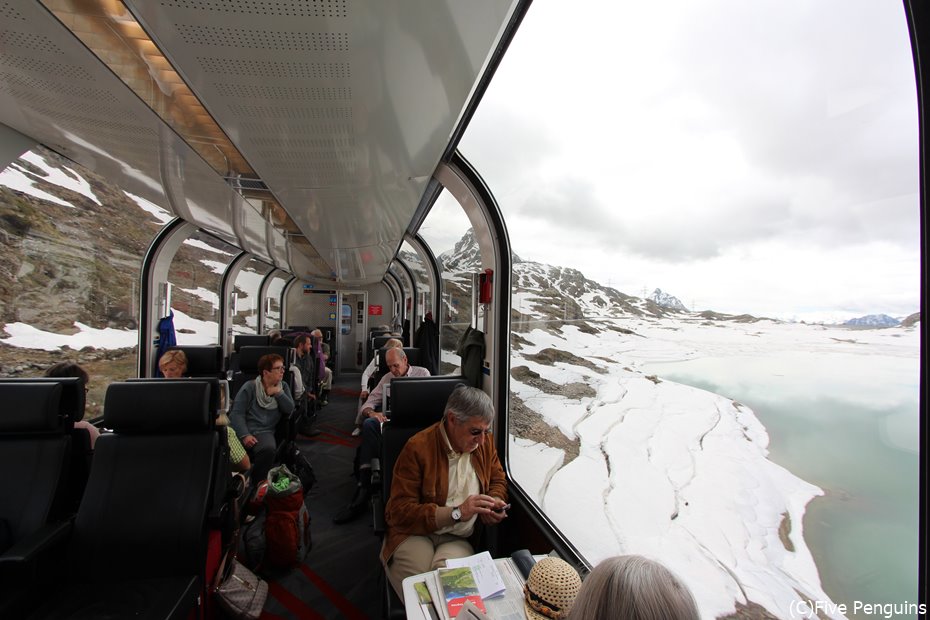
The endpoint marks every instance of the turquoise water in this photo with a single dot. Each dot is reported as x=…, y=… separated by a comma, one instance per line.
x=848, y=424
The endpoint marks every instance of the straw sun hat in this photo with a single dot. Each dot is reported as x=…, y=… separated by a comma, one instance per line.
x=550, y=589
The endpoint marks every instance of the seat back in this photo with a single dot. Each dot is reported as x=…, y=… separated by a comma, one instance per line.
x=416, y=403
x=219, y=403
x=144, y=511
x=34, y=456
x=250, y=340
x=204, y=361
x=376, y=339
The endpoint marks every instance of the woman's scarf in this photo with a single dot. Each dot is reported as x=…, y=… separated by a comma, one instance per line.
x=264, y=401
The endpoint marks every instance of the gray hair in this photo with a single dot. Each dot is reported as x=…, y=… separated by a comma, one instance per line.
x=469, y=402
x=634, y=588
x=398, y=353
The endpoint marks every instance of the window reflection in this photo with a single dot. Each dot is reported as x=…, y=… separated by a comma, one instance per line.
x=449, y=234
x=196, y=274
x=248, y=283
x=70, y=256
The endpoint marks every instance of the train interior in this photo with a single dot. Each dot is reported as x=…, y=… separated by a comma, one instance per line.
x=295, y=148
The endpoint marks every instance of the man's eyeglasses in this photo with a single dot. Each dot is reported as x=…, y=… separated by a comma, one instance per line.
x=474, y=432
x=277, y=367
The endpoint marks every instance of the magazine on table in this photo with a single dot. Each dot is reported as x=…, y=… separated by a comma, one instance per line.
x=458, y=586
x=487, y=577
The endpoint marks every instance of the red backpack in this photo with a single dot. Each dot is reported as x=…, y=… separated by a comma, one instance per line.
x=287, y=521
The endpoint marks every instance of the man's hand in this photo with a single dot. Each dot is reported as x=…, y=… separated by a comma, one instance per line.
x=377, y=415
x=248, y=441
x=364, y=395
x=483, y=506
x=274, y=389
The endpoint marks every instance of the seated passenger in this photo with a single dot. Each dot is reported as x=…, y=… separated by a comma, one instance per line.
x=635, y=588
x=173, y=364
x=70, y=369
x=371, y=431
x=370, y=370
x=258, y=406
x=324, y=375
x=446, y=478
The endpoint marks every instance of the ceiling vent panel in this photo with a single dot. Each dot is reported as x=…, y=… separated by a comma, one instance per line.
x=242, y=38
x=289, y=93
x=47, y=68
x=246, y=67
x=296, y=113
x=30, y=82
x=327, y=9
x=294, y=143
x=29, y=42
x=8, y=11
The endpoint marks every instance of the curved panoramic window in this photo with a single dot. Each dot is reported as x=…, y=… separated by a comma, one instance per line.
x=449, y=235
x=196, y=274
x=714, y=361
x=417, y=266
x=247, y=291
x=272, y=314
x=68, y=285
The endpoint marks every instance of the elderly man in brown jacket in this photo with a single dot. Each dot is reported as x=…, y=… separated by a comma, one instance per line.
x=446, y=478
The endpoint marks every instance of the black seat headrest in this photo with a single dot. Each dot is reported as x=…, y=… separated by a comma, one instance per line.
x=249, y=356
x=421, y=401
x=379, y=341
x=203, y=361
x=219, y=388
x=250, y=340
x=158, y=406
x=72, y=393
x=33, y=407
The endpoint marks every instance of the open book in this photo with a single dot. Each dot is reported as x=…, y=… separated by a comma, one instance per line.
x=458, y=586
x=489, y=580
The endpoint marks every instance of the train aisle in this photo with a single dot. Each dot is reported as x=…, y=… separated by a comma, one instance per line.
x=341, y=576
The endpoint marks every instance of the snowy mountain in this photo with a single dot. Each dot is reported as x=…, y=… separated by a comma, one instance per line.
x=667, y=301
x=546, y=292
x=873, y=321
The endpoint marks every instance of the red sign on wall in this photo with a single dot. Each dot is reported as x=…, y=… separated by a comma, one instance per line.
x=375, y=310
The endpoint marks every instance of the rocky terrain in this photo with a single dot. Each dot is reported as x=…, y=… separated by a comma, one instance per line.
x=59, y=265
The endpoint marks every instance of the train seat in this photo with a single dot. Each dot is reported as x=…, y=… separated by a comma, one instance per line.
x=218, y=403
x=376, y=340
x=250, y=340
x=70, y=410
x=35, y=447
x=416, y=403
x=138, y=545
x=204, y=360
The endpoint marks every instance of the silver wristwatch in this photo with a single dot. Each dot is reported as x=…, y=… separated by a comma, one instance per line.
x=456, y=514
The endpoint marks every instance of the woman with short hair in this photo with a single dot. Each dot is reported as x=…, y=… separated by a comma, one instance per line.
x=173, y=364
x=255, y=413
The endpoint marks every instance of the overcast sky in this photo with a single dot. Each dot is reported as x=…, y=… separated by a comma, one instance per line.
x=744, y=156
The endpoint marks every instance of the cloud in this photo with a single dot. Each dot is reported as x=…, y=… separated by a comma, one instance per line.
x=671, y=139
